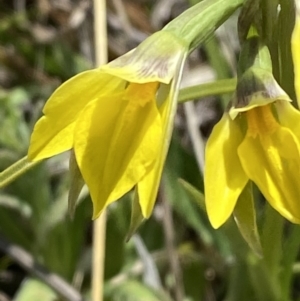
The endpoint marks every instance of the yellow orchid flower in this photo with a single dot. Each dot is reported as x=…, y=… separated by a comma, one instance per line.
x=258, y=139
x=118, y=119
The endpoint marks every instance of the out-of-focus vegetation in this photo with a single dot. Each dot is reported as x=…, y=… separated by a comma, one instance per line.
x=175, y=255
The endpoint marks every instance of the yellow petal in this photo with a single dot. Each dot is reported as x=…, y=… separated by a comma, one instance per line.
x=115, y=145
x=167, y=99
x=154, y=60
x=147, y=188
x=296, y=54
x=272, y=162
x=289, y=117
x=53, y=133
x=224, y=178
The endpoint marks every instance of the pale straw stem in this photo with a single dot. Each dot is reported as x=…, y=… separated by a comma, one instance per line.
x=99, y=229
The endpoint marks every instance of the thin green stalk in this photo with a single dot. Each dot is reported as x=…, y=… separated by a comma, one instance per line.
x=259, y=275
x=220, y=65
x=201, y=20
x=15, y=170
x=218, y=87
x=290, y=253
x=286, y=22
x=272, y=243
x=269, y=10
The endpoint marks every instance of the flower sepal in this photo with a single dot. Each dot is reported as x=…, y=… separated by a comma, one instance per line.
x=256, y=87
x=245, y=218
x=154, y=60
x=137, y=217
x=76, y=184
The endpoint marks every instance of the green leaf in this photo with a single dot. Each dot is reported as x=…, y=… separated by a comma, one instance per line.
x=132, y=290
x=115, y=236
x=63, y=239
x=14, y=203
x=76, y=184
x=32, y=289
x=193, y=271
x=264, y=287
x=290, y=253
x=178, y=163
x=197, y=195
x=245, y=218
x=271, y=239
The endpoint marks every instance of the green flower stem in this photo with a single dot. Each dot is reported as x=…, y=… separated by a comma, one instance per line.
x=290, y=253
x=265, y=272
x=201, y=20
x=272, y=243
x=16, y=170
x=286, y=23
x=218, y=87
x=262, y=283
x=269, y=10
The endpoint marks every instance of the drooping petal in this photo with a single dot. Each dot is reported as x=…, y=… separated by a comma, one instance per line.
x=154, y=60
x=224, y=178
x=53, y=133
x=272, y=162
x=289, y=117
x=148, y=186
x=167, y=100
x=147, y=190
x=116, y=144
x=296, y=52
